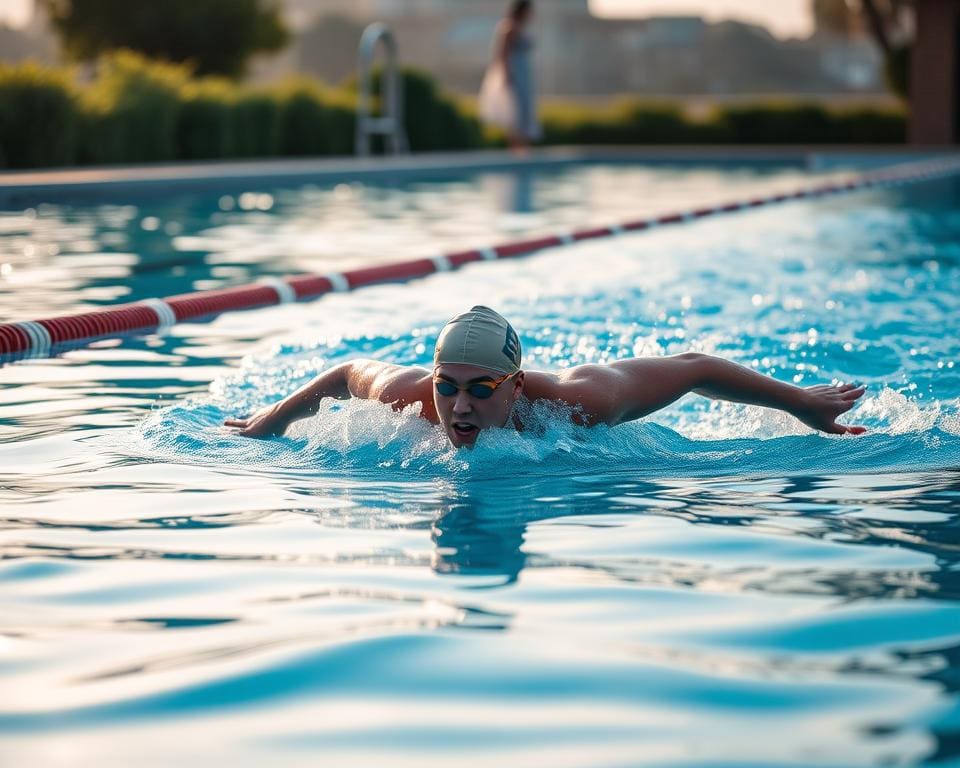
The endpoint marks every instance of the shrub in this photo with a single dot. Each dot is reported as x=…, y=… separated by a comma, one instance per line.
x=778, y=124
x=627, y=122
x=308, y=124
x=133, y=105
x=873, y=126
x=38, y=117
x=341, y=121
x=206, y=120
x=137, y=110
x=256, y=124
x=805, y=123
x=433, y=120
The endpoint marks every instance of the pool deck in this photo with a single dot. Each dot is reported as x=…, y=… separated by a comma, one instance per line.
x=22, y=188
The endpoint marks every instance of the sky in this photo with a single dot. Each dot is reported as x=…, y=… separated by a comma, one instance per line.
x=15, y=12
x=784, y=18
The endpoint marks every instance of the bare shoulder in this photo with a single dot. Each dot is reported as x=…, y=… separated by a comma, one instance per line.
x=576, y=381
x=592, y=389
x=396, y=385
x=618, y=391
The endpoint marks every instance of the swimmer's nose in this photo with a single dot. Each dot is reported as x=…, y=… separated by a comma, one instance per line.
x=461, y=403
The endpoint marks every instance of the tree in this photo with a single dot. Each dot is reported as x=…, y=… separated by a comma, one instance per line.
x=214, y=36
x=885, y=21
x=833, y=17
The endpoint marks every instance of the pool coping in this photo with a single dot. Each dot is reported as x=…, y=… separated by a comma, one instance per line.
x=20, y=188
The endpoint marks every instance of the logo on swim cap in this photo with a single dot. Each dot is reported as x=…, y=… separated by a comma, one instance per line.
x=511, y=345
x=479, y=337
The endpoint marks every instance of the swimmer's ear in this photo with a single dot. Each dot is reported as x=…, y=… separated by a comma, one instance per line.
x=518, y=385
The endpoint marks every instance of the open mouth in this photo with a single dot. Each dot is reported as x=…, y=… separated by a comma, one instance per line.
x=464, y=430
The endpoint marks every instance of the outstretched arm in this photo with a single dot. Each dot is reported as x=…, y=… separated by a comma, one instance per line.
x=630, y=389
x=818, y=406
x=365, y=379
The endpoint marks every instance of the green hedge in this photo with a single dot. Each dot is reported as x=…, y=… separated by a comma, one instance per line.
x=38, y=117
x=314, y=121
x=135, y=110
x=256, y=120
x=763, y=123
x=434, y=122
x=206, y=125
x=623, y=123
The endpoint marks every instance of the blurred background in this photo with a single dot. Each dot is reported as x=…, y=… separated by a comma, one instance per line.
x=586, y=49
x=607, y=71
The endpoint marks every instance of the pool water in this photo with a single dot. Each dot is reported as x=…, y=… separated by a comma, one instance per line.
x=715, y=585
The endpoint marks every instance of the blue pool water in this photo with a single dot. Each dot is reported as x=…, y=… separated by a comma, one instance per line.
x=715, y=585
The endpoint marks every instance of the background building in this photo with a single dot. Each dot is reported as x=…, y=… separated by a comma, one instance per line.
x=578, y=56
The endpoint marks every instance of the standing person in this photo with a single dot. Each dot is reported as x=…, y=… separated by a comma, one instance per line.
x=508, y=97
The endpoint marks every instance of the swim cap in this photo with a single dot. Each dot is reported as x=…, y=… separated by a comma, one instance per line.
x=479, y=337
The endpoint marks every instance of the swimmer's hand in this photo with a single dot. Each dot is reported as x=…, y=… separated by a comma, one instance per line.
x=822, y=404
x=267, y=422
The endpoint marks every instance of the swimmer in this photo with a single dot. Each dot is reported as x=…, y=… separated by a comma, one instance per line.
x=477, y=380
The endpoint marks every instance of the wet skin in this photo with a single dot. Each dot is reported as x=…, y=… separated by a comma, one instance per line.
x=462, y=416
x=597, y=394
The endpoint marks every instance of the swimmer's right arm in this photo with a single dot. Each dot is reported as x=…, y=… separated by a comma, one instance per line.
x=356, y=378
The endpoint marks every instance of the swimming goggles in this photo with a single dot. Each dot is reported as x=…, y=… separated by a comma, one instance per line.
x=479, y=389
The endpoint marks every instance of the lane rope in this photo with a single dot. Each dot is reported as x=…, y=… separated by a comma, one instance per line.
x=338, y=282
x=38, y=336
x=166, y=317
x=41, y=338
x=285, y=292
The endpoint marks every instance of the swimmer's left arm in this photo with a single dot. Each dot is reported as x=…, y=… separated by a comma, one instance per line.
x=630, y=389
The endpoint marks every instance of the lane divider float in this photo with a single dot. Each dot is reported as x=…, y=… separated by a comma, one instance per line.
x=41, y=338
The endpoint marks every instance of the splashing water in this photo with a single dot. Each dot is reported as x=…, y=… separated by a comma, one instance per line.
x=813, y=306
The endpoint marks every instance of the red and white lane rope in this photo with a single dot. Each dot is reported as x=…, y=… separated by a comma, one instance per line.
x=41, y=338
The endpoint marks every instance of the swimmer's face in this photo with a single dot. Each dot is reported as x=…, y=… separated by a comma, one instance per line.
x=463, y=415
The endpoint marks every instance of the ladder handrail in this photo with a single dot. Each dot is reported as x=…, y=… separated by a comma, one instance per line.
x=390, y=123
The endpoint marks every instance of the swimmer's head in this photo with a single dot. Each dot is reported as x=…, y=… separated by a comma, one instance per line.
x=477, y=376
x=479, y=337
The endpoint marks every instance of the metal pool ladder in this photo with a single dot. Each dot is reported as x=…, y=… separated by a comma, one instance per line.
x=390, y=123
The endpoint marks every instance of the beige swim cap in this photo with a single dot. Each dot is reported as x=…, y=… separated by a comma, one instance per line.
x=479, y=337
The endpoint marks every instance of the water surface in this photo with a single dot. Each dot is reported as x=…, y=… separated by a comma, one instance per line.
x=715, y=585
